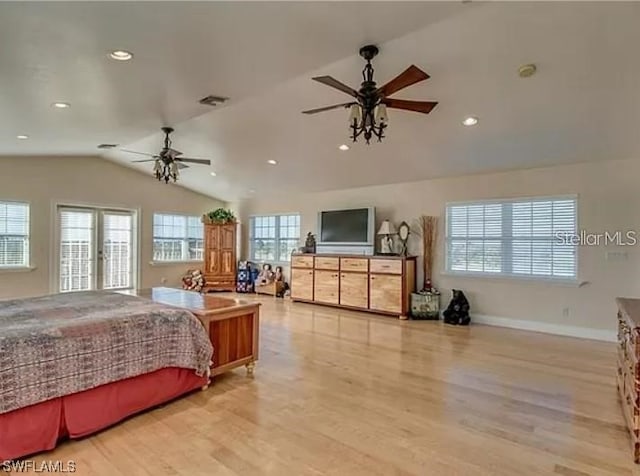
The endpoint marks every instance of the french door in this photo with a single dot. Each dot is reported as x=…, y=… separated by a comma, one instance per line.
x=96, y=249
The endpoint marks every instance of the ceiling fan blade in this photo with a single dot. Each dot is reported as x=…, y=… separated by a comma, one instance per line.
x=418, y=106
x=182, y=166
x=139, y=153
x=409, y=76
x=328, y=108
x=145, y=160
x=193, y=161
x=334, y=83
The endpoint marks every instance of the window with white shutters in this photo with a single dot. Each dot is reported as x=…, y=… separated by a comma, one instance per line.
x=177, y=238
x=14, y=234
x=517, y=238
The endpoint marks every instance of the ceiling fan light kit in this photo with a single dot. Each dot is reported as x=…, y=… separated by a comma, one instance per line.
x=368, y=113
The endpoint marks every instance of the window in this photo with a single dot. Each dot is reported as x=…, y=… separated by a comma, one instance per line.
x=14, y=234
x=177, y=238
x=274, y=238
x=518, y=238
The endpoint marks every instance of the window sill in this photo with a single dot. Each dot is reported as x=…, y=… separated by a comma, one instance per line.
x=176, y=263
x=17, y=269
x=573, y=283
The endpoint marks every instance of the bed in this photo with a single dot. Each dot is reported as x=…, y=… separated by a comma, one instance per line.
x=74, y=364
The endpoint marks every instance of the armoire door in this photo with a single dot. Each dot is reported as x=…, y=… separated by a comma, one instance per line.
x=212, y=250
x=228, y=250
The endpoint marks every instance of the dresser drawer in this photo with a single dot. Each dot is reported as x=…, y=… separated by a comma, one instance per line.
x=301, y=261
x=354, y=264
x=386, y=266
x=329, y=263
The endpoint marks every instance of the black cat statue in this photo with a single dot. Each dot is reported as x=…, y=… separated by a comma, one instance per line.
x=457, y=313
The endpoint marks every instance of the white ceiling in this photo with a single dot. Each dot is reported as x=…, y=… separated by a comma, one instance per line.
x=582, y=105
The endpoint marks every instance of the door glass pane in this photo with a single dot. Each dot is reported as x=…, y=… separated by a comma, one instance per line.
x=77, y=264
x=117, y=250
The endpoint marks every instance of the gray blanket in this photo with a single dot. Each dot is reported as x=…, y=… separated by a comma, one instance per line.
x=57, y=345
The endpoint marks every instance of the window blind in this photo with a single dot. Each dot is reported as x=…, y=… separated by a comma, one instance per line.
x=14, y=234
x=177, y=238
x=520, y=237
x=274, y=237
x=77, y=240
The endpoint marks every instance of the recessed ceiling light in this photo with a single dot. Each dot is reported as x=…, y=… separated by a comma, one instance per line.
x=213, y=174
x=527, y=70
x=470, y=121
x=272, y=162
x=121, y=55
x=22, y=137
x=61, y=105
x=344, y=147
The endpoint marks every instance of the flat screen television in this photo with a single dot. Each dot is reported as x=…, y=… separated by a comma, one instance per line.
x=354, y=227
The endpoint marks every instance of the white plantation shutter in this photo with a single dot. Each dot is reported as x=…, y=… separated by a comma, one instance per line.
x=513, y=238
x=77, y=260
x=14, y=234
x=117, y=249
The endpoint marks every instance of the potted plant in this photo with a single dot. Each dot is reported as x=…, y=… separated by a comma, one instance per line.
x=219, y=216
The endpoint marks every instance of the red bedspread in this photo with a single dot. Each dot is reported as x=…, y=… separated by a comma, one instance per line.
x=39, y=427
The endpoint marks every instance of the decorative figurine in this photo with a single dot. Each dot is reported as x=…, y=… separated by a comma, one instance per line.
x=266, y=276
x=458, y=311
x=310, y=243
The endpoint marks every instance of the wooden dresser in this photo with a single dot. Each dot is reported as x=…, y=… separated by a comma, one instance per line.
x=628, y=375
x=381, y=284
x=220, y=257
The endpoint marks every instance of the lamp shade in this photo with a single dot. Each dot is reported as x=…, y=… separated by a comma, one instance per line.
x=386, y=228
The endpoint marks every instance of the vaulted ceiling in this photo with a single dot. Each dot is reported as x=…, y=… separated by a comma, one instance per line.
x=582, y=105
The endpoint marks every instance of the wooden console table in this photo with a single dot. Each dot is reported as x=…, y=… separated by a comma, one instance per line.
x=380, y=284
x=231, y=324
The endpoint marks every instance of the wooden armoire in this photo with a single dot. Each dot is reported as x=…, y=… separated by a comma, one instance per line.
x=220, y=257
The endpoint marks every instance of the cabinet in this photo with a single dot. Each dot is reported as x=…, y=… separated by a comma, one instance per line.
x=369, y=283
x=326, y=287
x=220, y=257
x=354, y=289
x=302, y=284
x=385, y=293
x=628, y=369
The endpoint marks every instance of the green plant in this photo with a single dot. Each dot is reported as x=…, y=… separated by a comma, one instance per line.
x=221, y=215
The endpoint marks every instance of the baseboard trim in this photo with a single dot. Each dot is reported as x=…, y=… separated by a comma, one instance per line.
x=557, y=329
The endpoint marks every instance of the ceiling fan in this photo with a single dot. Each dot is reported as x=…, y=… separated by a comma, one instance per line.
x=168, y=160
x=369, y=108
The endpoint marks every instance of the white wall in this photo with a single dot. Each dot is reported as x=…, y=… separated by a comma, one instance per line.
x=45, y=181
x=608, y=199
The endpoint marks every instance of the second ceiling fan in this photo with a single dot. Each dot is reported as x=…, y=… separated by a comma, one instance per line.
x=368, y=115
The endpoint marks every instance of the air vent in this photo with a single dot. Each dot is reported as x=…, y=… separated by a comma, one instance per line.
x=213, y=100
x=107, y=146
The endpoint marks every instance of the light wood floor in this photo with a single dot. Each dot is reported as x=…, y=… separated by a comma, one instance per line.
x=346, y=393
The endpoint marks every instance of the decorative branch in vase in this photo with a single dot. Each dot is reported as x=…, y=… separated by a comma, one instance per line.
x=428, y=226
x=426, y=303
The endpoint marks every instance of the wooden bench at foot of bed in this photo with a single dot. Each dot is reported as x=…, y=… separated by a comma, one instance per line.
x=231, y=324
